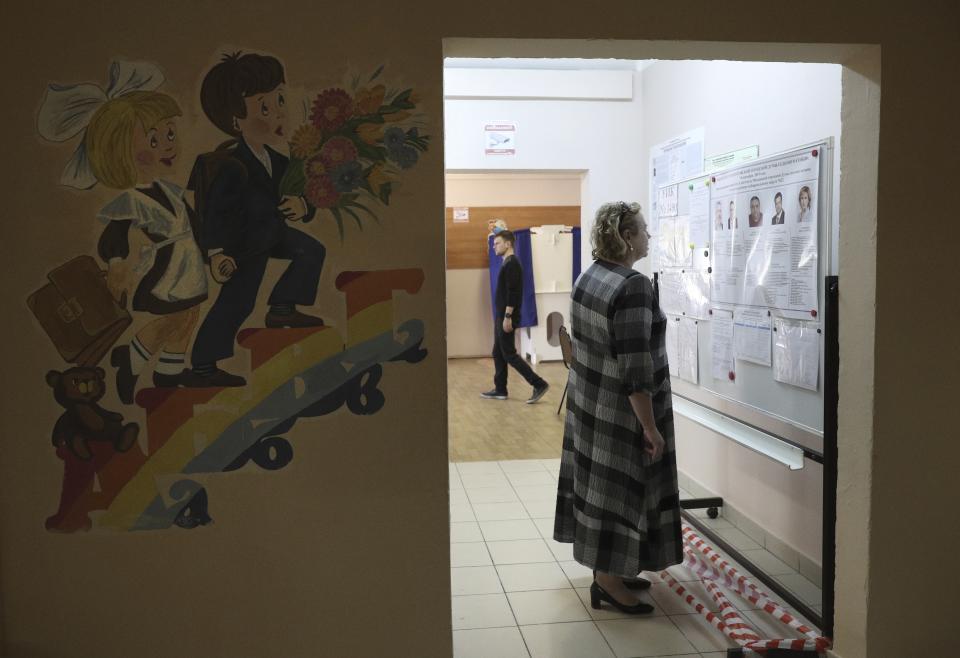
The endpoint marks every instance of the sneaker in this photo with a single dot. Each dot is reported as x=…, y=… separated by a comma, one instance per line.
x=216, y=379
x=295, y=320
x=494, y=395
x=538, y=392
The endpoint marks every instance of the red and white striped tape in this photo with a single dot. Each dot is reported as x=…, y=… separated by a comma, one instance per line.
x=710, y=567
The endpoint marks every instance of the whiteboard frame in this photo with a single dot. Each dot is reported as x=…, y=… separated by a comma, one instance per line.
x=777, y=425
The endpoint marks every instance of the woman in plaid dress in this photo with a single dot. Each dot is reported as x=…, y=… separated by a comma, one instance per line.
x=617, y=498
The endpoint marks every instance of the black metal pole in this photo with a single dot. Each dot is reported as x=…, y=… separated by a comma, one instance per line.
x=831, y=376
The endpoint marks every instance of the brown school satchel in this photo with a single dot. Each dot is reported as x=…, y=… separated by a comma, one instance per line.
x=77, y=311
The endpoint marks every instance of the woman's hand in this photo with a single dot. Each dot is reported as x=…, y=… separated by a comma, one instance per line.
x=653, y=444
x=507, y=325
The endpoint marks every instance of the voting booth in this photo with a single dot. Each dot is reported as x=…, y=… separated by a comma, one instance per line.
x=552, y=264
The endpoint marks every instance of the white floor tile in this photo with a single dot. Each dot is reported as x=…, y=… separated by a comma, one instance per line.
x=529, y=577
x=469, y=555
x=459, y=497
x=736, y=538
x=803, y=588
x=569, y=640
x=607, y=611
x=489, y=643
x=545, y=526
x=476, y=480
x=520, y=551
x=474, y=580
x=534, y=478
x=547, y=607
x=467, y=531
x=541, y=509
x=702, y=634
x=481, y=611
x=461, y=513
x=652, y=636
x=500, y=511
x=492, y=495
x=768, y=562
x=507, y=530
x=536, y=492
x=522, y=466
x=473, y=468
x=579, y=575
x=562, y=551
x=551, y=464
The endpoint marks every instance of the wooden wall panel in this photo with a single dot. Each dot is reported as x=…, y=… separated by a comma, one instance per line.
x=467, y=241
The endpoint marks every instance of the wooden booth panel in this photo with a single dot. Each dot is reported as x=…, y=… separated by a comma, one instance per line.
x=467, y=241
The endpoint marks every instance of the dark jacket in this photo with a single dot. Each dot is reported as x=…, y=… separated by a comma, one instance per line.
x=239, y=201
x=509, y=287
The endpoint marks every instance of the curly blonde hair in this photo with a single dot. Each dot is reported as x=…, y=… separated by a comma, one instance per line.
x=611, y=221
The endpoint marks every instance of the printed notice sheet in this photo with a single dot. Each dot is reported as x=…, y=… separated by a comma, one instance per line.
x=796, y=353
x=721, y=341
x=673, y=345
x=689, y=350
x=764, y=223
x=751, y=335
x=673, y=160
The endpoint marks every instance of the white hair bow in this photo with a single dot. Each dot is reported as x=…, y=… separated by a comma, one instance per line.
x=67, y=109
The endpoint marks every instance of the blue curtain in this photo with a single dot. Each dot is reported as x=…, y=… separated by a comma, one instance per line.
x=523, y=251
x=576, y=253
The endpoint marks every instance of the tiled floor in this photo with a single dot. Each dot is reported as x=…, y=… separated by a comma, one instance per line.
x=518, y=593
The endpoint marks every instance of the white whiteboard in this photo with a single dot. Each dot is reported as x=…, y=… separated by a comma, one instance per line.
x=755, y=397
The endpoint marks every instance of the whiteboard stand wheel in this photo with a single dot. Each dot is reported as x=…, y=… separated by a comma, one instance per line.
x=712, y=512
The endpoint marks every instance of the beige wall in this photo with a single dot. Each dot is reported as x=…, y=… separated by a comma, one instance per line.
x=469, y=323
x=294, y=563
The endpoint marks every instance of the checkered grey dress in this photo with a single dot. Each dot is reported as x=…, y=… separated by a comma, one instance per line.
x=620, y=511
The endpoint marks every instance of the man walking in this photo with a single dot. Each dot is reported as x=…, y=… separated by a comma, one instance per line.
x=508, y=297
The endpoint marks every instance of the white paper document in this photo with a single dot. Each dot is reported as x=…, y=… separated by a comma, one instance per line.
x=689, y=353
x=764, y=223
x=673, y=243
x=751, y=335
x=721, y=342
x=673, y=345
x=796, y=353
x=699, y=212
x=671, y=293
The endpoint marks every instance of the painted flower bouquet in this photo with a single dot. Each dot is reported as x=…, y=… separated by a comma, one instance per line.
x=354, y=149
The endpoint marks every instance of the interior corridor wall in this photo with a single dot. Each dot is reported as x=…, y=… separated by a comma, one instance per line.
x=598, y=137
x=776, y=106
x=469, y=323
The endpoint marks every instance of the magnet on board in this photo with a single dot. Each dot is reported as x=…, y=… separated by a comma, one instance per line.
x=815, y=153
x=732, y=375
x=813, y=312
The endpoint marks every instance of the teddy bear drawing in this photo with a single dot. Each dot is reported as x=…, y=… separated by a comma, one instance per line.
x=78, y=390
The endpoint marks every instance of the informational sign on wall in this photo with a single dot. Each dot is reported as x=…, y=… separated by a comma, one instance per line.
x=461, y=215
x=723, y=160
x=500, y=138
x=676, y=159
x=765, y=234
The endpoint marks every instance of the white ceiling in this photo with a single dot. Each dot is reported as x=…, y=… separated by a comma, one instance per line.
x=570, y=64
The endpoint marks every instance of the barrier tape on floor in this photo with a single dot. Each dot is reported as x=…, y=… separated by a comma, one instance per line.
x=710, y=566
x=741, y=584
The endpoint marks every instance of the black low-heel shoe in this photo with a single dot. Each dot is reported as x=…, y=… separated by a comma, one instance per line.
x=598, y=594
x=633, y=583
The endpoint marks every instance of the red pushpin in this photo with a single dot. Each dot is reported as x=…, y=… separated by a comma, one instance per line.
x=732, y=375
x=816, y=152
x=813, y=313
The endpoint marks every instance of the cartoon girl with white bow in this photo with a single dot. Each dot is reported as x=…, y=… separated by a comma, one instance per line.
x=130, y=143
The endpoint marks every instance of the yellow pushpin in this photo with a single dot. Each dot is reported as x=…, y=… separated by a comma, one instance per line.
x=692, y=246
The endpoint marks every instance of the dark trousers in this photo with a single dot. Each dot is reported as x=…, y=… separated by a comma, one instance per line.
x=238, y=295
x=505, y=352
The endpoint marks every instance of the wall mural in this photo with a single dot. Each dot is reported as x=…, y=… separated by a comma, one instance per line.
x=169, y=246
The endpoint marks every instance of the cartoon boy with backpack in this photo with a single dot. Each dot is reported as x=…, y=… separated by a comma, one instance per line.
x=244, y=216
